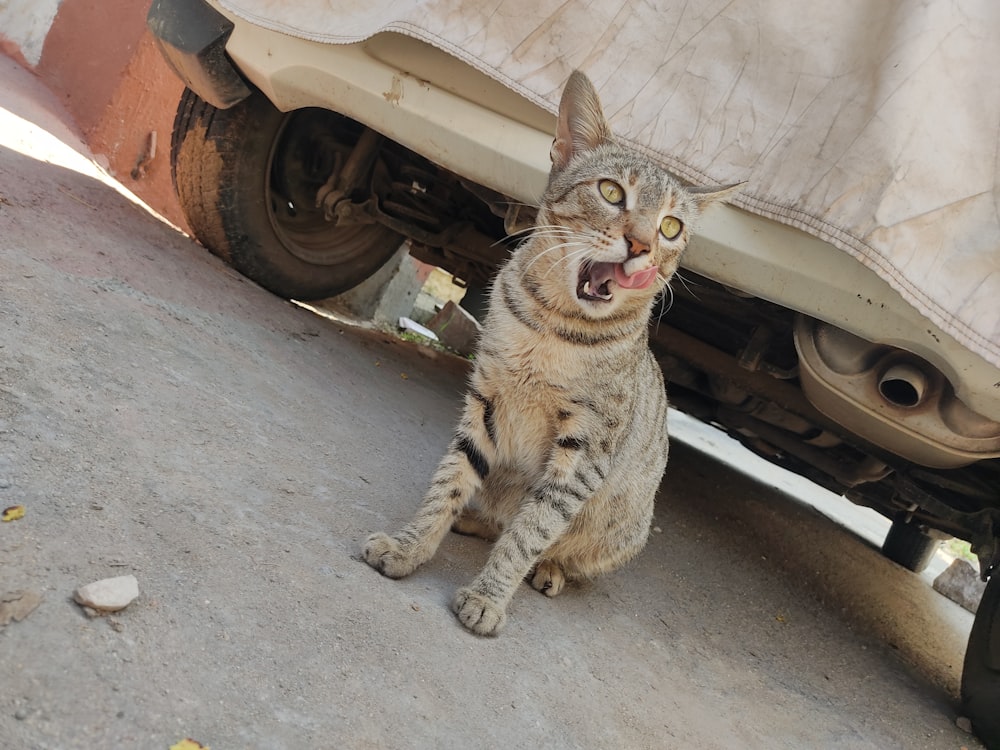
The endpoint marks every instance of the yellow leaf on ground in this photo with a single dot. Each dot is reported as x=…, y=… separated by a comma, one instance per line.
x=189, y=744
x=12, y=513
x=17, y=605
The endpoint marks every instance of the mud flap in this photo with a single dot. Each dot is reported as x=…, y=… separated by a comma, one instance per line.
x=192, y=37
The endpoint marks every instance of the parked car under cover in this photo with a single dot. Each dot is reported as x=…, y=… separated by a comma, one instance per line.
x=840, y=319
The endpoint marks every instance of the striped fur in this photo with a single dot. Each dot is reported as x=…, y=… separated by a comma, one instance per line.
x=563, y=440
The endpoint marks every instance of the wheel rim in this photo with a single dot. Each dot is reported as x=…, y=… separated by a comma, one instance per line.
x=304, y=154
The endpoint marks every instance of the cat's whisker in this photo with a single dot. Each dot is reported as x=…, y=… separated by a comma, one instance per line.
x=549, y=235
x=573, y=243
x=523, y=235
x=569, y=257
x=538, y=230
x=541, y=226
x=584, y=249
x=555, y=236
x=666, y=302
x=569, y=239
x=684, y=282
x=557, y=247
x=669, y=291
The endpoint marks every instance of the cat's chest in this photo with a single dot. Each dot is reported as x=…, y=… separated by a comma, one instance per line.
x=526, y=423
x=531, y=407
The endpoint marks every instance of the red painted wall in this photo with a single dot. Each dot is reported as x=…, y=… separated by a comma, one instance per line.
x=100, y=60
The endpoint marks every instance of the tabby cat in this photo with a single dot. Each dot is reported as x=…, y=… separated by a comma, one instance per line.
x=563, y=440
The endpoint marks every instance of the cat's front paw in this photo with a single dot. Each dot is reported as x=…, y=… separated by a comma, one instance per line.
x=479, y=614
x=388, y=556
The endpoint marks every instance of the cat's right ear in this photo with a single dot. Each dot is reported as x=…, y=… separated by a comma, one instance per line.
x=707, y=196
x=581, y=125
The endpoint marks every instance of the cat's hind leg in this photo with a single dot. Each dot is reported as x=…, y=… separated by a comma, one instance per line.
x=609, y=531
x=459, y=476
x=548, y=577
x=603, y=537
x=474, y=523
x=498, y=501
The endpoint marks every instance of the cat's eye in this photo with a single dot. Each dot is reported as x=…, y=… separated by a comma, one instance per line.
x=611, y=191
x=671, y=227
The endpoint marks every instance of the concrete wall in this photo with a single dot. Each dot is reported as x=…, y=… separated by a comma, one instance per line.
x=25, y=25
x=98, y=58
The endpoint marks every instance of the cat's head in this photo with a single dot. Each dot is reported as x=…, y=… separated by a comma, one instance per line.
x=614, y=223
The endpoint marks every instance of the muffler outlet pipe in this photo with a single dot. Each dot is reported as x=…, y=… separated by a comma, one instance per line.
x=903, y=385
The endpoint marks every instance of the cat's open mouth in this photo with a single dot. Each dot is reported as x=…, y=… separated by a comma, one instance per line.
x=597, y=281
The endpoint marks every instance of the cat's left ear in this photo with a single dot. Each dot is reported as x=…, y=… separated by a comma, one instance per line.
x=707, y=196
x=581, y=125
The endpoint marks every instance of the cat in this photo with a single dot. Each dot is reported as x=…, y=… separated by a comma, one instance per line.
x=563, y=439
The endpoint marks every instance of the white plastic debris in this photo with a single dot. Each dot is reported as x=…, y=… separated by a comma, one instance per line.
x=411, y=325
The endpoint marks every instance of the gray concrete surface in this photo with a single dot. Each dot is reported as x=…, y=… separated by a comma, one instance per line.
x=161, y=416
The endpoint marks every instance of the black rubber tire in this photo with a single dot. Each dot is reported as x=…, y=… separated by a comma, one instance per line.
x=247, y=179
x=981, y=671
x=907, y=544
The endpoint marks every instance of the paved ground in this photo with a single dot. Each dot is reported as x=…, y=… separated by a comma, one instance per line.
x=161, y=416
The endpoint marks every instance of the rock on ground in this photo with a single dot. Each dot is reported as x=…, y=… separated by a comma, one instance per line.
x=108, y=595
x=960, y=582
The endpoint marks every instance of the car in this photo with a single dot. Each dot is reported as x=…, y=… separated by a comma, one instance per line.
x=835, y=320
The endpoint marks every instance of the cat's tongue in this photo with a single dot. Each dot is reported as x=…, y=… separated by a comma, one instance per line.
x=638, y=280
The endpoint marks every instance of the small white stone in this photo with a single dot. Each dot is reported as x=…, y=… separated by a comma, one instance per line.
x=109, y=595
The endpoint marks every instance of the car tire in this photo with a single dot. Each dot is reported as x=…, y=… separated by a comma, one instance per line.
x=907, y=544
x=247, y=179
x=981, y=671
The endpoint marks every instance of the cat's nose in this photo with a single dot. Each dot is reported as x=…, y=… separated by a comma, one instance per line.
x=636, y=247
